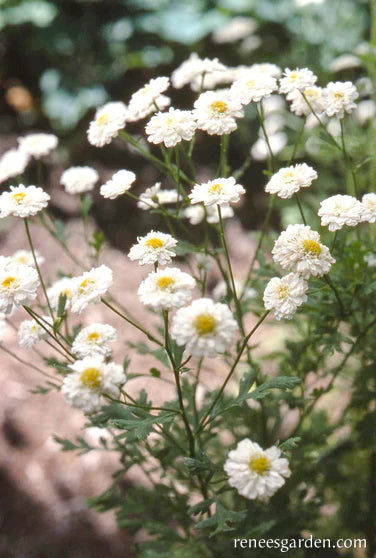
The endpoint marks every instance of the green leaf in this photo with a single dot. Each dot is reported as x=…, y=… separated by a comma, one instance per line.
x=80, y=445
x=61, y=305
x=183, y=248
x=140, y=423
x=97, y=241
x=223, y=520
x=86, y=203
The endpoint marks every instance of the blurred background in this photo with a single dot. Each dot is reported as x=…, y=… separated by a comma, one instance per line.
x=59, y=61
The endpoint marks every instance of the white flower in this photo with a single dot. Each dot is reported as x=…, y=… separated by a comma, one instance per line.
x=30, y=332
x=25, y=257
x=148, y=99
x=253, y=86
x=314, y=96
x=266, y=68
x=221, y=191
x=344, y=62
x=339, y=98
x=13, y=163
x=92, y=340
x=108, y=120
x=254, y=472
x=63, y=287
x=216, y=112
x=205, y=328
x=155, y=196
x=236, y=29
x=196, y=214
x=298, y=79
x=91, y=378
x=299, y=249
x=369, y=208
x=18, y=285
x=370, y=259
x=3, y=328
x=260, y=149
x=152, y=248
x=171, y=127
x=287, y=181
x=77, y=180
x=203, y=262
x=90, y=286
x=166, y=289
x=23, y=201
x=194, y=71
x=37, y=145
x=340, y=210
x=120, y=182
x=243, y=292
x=285, y=295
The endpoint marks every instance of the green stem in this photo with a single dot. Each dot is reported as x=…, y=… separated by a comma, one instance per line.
x=27, y=364
x=300, y=207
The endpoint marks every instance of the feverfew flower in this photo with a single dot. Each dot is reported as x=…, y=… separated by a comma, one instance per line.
x=166, y=289
x=148, y=99
x=221, y=191
x=92, y=340
x=108, y=120
x=25, y=257
x=339, y=98
x=18, y=285
x=205, y=328
x=13, y=163
x=77, y=180
x=63, y=287
x=38, y=145
x=90, y=379
x=194, y=71
x=155, y=196
x=340, y=210
x=152, y=248
x=196, y=214
x=90, y=286
x=30, y=332
x=288, y=180
x=216, y=112
x=298, y=79
x=285, y=295
x=120, y=182
x=254, y=472
x=237, y=28
x=23, y=201
x=369, y=208
x=171, y=127
x=253, y=86
x=266, y=68
x=299, y=249
x=314, y=96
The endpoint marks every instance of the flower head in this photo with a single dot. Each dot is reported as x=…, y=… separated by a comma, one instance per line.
x=284, y=295
x=149, y=99
x=196, y=213
x=120, y=182
x=108, y=121
x=155, y=196
x=13, y=163
x=90, y=379
x=90, y=286
x=92, y=340
x=18, y=285
x=205, y=328
x=25, y=257
x=287, y=181
x=339, y=98
x=299, y=249
x=23, y=201
x=194, y=71
x=253, y=86
x=30, y=332
x=77, y=180
x=171, y=127
x=369, y=208
x=166, y=289
x=254, y=472
x=314, y=96
x=216, y=112
x=154, y=247
x=340, y=210
x=38, y=145
x=220, y=191
x=63, y=287
x=298, y=79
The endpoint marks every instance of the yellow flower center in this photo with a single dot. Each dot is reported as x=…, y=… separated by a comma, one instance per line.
x=204, y=324
x=90, y=377
x=102, y=120
x=259, y=464
x=338, y=95
x=293, y=76
x=219, y=107
x=215, y=188
x=312, y=247
x=8, y=282
x=283, y=291
x=19, y=196
x=251, y=83
x=154, y=243
x=93, y=336
x=165, y=281
x=85, y=284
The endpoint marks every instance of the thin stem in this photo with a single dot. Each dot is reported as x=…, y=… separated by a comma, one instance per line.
x=347, y=159
x=27, y=364
x=336, y=293
x=300, y=208
x=40, y=321
x=260, y=113
x=37, y=268
x=223, y=165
